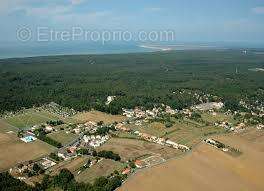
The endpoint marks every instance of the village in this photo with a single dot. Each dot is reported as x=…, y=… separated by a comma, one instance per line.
x=88, y=137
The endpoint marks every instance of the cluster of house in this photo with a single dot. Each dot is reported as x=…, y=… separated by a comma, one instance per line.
x=257, y=106
x=224, y=124
x=85, y=141
x=139, y=113
x=260, y=126
x=216, y=144
x=151, y=138
x=95, y=140
x=89, y=126
x=21, y=171
x=47, y=128
x=138, y=163
x=57, y=109
x=161, y=141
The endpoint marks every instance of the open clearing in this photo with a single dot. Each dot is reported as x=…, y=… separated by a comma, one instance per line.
x=102, y=168
x=218, y=117
x=5, y=127
x=132, y=149
x=14, y=151
x=62, y=137
x=97, y=116
x=184, y=132
x=30, y=118
x=207, y=168
x=188, y=134
x=155, y=128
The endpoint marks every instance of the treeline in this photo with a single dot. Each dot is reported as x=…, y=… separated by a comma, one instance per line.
x=42, y=135
x=9, y=183
x=64, y=180
x=109, y=155
x=50, y=141
x=55, y=123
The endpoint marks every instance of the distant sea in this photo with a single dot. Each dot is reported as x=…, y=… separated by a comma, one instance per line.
x=9, y=50
x=17, y=50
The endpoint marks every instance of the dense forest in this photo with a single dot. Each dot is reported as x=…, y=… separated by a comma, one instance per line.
x=83, y=82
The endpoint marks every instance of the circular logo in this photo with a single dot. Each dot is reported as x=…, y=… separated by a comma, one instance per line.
x=24, y=34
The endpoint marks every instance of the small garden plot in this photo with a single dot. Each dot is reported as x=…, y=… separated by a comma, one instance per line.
x=62, y=137
x=103, y=168
x=72, y=165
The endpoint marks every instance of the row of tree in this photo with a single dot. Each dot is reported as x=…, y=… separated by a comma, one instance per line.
x=64, y=180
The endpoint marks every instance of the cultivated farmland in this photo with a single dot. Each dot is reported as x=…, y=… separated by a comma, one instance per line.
x=208, y=168
x=14, y=151
x=62, y=137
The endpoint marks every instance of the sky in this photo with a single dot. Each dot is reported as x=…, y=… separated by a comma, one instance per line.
x=191, y=20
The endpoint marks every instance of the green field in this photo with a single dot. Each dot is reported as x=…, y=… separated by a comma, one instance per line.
x=155, y=128
x=218, y=117
x=29, y=118
x=62, y=137
x=188, y=134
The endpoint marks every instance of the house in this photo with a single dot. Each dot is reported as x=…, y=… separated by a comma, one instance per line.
x=62, y=154
x=173, y=144
x=260, y=126
x=86, y=138
x=126, y=171
x=48, y=129
x=77, y=130
x=71, y=149
x=65, y=154
x=169, y=110
x=139, y=164
x=46, y=163
x=109, y=99
x=128, y=112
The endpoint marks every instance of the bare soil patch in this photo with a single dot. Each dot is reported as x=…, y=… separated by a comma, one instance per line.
x=14, y=151
x=207, y=168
